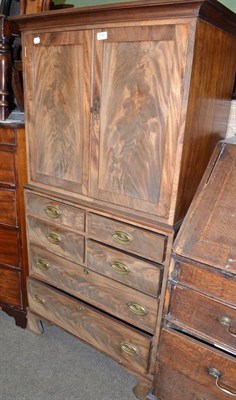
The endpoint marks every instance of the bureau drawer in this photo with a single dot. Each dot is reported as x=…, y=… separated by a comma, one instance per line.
x=113, y=297
x=186, y=369
x=114, y=338
x=10, y=288
x=60, y=241
x=127, y=237
x=204, y=316
x=7, y=207
x=9, y=251
x=7, y=168
x=206, y=280
x=126, y=269
x=54, y=211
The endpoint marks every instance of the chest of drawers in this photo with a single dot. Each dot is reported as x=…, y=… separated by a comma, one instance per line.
x=118, y=112
x=201, y=301
x=13, y=257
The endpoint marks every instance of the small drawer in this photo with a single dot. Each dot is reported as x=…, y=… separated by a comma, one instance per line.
x=208, y=318
x=7, y=135
x=123, y=268
x=212, y=282
x=54, y=212
x=60, y=241
x=127, y=237
x=9, y=250
x=8, y=207
x=113, y=297
x=10, y=287
x=190, y=370
x=126, y=345
x=7, y=168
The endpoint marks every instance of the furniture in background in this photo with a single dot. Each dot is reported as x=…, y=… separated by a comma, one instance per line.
x=13, y=257
x=122, y=115
x=198, y=343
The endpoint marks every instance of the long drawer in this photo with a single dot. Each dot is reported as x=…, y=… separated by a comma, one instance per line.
x=54, y=211
x=124, y=344
x=200, y=314
x=113, y=297
x=192, y=371
x=10, y=287
x=205, y=279
x=127, y=237
x=117, y=265
x=60, y=241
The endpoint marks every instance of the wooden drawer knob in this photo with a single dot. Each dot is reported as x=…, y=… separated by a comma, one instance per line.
x=137, y=309
x=52, y=211
x=122, y=237
x=129, y=349
x=227, y=322
x=217, y=374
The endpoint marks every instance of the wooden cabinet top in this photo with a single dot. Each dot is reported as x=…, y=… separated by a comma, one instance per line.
x=209, y=10
x=208, y=233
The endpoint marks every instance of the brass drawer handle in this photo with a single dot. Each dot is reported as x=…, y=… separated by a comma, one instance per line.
x=52, y=211
x=122, y=237
x=42, y=264
x=119, y=268
x=217, y=374
x=226, y=321
x=54, y=237
x=38, y=299
x=137, y=309
x=129, y=349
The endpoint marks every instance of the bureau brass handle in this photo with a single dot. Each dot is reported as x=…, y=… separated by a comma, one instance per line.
x=42, y=264
x=119, y=268
x=53, y=237
x=226, y=321
x=52, y=211
x=122, y=237
x=137, y=309
x=129, y=349
x=217, y=374
x=38, y=299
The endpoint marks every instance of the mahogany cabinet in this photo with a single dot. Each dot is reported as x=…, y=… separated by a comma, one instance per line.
x=122, y=114
x=13, y=257
x=201, y=302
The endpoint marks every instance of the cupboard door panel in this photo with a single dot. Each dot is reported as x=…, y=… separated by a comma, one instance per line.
x=135, y=132
x=58, y=83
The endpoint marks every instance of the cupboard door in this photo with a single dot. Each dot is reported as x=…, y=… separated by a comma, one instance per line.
x=137, y=104
x=57, y=79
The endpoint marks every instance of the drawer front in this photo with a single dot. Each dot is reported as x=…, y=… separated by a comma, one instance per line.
x=187, y=370
x=123, y=268
x=7, y=169
x=54, y=212
x=8, y=207
x=127, y=237
x=209, y=318
x=10, y=289
x=7, y=135
x=207, y=280
x=9, y=251
x=126, y=345
x=60, y=241
x=113, y=297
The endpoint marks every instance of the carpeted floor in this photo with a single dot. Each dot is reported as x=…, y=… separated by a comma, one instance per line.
x=56, y=366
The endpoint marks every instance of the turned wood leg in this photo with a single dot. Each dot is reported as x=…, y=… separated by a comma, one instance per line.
x=142, y=390
x=34, y=323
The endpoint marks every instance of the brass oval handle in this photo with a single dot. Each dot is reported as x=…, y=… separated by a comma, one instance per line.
x=122, y=237
x=129, y=349
x=52, y=211
x=217, y=374
x=38, y=299
x=119, y=268
x=226, y=321
x=137, y=309
x=54, y=237
x=42, y=264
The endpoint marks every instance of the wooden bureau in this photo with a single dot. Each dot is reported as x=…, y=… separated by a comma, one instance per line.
x=122, y=115
x=200, y=300
x=13, y=257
